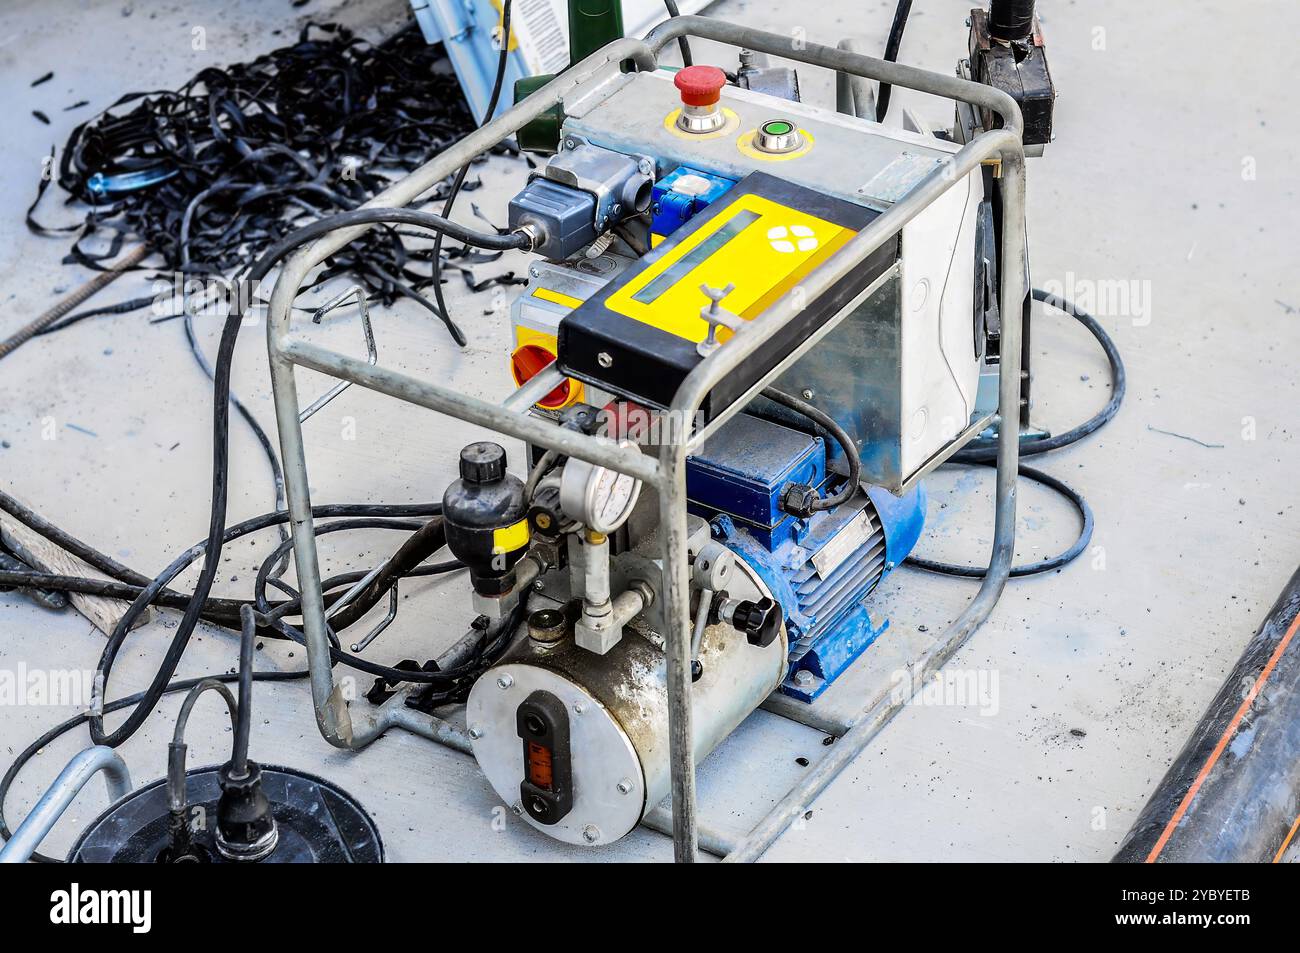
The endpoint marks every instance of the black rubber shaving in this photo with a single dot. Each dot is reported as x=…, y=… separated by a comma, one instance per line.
x=41, y=116
x=238, y=157
x=42, y=79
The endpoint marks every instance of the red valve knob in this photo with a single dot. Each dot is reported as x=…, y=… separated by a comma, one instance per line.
x=700, y=85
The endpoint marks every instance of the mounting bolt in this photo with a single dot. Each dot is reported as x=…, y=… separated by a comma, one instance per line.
x=808, y=393
x=591, y=833
x=645, y=167
x=579, y=708
x=625, y=786
x=604, y=360
x=517, y=809
x=538, y=585
x=475, y=732
x=803, y=678
x=505, y=681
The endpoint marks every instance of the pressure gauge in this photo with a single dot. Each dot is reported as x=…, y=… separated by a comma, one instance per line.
x=599, y=498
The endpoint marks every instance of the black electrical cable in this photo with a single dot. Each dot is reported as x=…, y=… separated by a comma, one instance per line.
x=1031, y=569
x=892, y=45
x=682, y=43
x=122, y=307
x=267, y=569
x=244, y=720
x=436, y=262
x=268, y=450
x=988, y=456
x=1119, y=388
x=318, y=125
x=831, y=426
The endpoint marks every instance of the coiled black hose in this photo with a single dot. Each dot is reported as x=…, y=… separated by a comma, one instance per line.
x=892, y=46
x=987, y=456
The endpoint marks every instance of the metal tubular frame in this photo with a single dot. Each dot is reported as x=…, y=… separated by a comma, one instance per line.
x=347, y=729
x=42, y=818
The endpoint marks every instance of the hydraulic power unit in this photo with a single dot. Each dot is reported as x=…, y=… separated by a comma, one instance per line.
x=676, y=209
x=751, y=327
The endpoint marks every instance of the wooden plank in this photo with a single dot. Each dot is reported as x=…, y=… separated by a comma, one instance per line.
x=44, y=556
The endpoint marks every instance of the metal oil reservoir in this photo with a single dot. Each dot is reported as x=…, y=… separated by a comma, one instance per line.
x=577, y=742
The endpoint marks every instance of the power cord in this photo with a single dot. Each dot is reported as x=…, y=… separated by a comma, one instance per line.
x=987, y=456
x=892, y=46
x=436, y=262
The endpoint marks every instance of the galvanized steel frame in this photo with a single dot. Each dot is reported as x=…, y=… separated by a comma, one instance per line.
x=346, y=728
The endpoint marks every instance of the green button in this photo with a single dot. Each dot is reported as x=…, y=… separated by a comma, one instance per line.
x=778, y=127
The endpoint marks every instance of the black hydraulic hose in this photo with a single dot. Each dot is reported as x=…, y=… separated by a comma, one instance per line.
x=265, y=571
x=436, y=263
x=494, y=639
x=892, y=45
x=221, y=440
x=44, y=528
x=1011, y=19
x=1031, y=569
x=1119, y=387
x=682, y=43
x=827, y=423
x=422, y=544
x=426, y=541
x=222, y=612
x=130, y=583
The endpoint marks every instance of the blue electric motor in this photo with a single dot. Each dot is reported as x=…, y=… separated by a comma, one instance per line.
x=820, y=568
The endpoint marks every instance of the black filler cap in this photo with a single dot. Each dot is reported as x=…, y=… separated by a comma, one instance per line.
x=483, y=462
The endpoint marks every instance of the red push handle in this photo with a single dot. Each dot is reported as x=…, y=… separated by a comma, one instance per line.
x=700, y=85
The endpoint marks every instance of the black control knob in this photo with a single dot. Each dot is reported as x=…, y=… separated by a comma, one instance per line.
x=760, y=621
x=482, y=462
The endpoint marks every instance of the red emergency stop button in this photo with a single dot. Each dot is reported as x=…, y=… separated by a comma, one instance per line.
x=700, y=85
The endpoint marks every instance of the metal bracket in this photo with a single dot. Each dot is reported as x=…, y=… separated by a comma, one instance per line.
x=360, y=645
x=372, y=352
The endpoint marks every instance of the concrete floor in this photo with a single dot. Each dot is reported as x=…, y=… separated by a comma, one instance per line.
x=1174, y=182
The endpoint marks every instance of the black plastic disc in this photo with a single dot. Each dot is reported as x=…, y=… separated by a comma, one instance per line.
x=318, y=823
